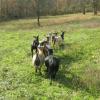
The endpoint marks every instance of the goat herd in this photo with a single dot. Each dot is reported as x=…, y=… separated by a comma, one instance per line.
x=44, y=53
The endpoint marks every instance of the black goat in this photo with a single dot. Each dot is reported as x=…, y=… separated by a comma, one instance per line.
x=52, y=64
x=35, y=44
x=62, y=35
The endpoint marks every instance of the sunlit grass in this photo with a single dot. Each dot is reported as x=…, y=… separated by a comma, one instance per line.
x=79, y=74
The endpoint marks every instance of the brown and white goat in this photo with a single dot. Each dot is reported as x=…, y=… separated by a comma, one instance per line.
x=38, y=59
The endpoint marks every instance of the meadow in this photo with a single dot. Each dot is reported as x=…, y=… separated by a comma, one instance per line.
x=79, y=74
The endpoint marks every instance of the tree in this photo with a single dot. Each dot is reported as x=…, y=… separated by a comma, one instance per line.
x=83, y=3
x=37, y=2
x=84, y=9
x=95, y=6
x=0, y=8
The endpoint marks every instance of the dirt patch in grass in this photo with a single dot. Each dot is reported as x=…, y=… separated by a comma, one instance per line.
x=91, y=25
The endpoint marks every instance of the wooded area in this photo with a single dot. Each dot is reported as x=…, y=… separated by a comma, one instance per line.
x=28, y=8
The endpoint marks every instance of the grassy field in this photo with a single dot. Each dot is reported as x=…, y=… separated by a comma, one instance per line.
x=79, y=74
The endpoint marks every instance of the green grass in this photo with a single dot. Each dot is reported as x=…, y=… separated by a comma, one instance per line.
x=79, y=74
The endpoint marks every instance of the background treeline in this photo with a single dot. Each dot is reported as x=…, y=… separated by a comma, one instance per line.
x=28, y=8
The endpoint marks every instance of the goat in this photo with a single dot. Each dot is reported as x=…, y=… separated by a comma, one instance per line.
x=54, y=38
x=52, y=64
x=38, y=59
x=62, y=35
x=47, y=47
x=35, y=44
x=49, y=37
x=58, y=40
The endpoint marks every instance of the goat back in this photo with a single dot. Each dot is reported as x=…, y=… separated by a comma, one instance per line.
x=52, y=61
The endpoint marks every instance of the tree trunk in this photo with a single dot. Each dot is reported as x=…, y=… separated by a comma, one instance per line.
x=6, y=8
x=38, y=12
x=95, y=7
x=84, y=9
x=1, y=9
x=82, y=2
x=38, y=18
x=95, y=10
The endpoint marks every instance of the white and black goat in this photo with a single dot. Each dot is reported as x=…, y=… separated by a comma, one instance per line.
x=34, y=44
x=52, y=65
x=58, y=39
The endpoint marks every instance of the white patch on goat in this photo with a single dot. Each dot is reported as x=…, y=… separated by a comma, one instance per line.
x=41, y=58
x=48, y=46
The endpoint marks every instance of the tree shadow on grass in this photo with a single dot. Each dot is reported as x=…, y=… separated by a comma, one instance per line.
x=68, y=59
x=74, y=82
x=66, y=77
x=69, y=79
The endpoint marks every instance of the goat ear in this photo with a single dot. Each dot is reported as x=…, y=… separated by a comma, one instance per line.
x=38, y=36
x=34, y=36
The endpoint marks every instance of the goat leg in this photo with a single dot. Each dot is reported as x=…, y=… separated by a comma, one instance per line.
x=50, y=80
x=35, y=70
x=40, y=70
